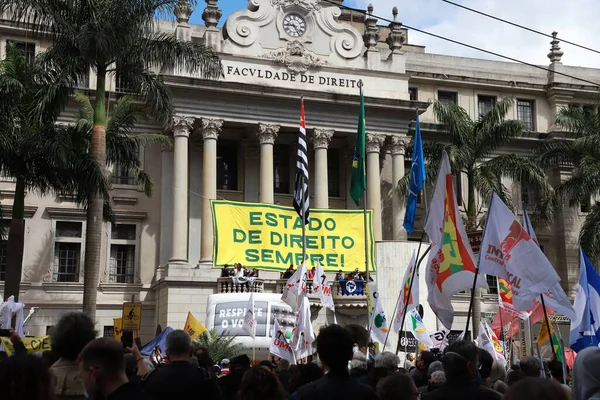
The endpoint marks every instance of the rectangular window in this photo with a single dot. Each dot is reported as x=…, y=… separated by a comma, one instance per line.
x=28, y=49
x=447, y=97
x=122, y=175
x=227, y=165
x=492, y=282
x=68, y=240
x=525, y=114
x=530, y=196
x=281, y=168
x=413, y=93
x=485, y=104
x=49, y=329
x=123, y=241
x=108, y=331
x=333, y=172
x=4, y=227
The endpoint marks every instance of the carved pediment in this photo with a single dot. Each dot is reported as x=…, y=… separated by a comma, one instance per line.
x=308, y=5
x=296, y=57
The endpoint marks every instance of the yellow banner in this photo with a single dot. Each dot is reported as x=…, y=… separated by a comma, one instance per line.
x=267, y=236
x=118, y=328
x=36, y=344
x=193, y=327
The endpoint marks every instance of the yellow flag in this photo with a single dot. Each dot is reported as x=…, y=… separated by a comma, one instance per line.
x=118, y=328
x=545, y=333
x=193, y=327
x=36, y=344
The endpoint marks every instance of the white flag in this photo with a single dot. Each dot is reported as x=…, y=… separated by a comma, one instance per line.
x=416, y=325
x=439, y=339
x=404, y=299
x=450, y=268
x=510, y=253
x=303, y=335
x=378, y=323
x=322, y=288
x=295, y=289
x=498, y=346
x=280, y=346
x=554, y=298
x=484, y=341
x=250, y=317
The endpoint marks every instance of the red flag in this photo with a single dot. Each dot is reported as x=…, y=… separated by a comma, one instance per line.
x=537, y=315
x=503, y=317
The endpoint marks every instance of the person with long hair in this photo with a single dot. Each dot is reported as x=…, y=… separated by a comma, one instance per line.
x=25, y=377
x=259, y=383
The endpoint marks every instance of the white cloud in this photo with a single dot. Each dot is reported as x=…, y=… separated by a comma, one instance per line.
x=575, y=20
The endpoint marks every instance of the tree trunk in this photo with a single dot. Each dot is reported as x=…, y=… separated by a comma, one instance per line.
x=95, y=222
x=16, y=243
x=471, y=227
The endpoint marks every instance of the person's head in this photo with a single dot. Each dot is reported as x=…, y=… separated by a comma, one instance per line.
x=203, y=356
x=225, y=266
x=240, y=363
x=515, y=375
x=388, y=361
x=334, y=346
x=314, y=268
x=424, y=360
x=556, y=370
x=179, y=346
x=358, y=365
x=309, y=373
x=283, y=365
x=399, y=386
x=438, y=378
x=485, y=363
x=340, y=272
x=291, y=268
x=71, y=334
x=260, y=383
x=267, y=364
x=25, y=378
x=434, y=367
x=536, y=389
x=410, y=357
x=586, y=374
x=102, y=367
x=498, y=373
x=531, y=366
x=461, y=361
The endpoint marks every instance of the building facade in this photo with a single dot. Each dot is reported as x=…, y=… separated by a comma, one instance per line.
x=235, y=138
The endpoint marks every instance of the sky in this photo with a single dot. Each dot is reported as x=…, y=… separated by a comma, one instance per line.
x=574, y=20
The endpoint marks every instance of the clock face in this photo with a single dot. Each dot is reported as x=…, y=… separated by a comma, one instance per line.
x=294, y=25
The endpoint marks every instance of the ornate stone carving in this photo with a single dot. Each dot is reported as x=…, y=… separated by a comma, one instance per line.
x=374, y=142
x=322, y=138
x=556, y=53
x=243, y=27
x=183, y=11
x=308, y=5
x=267, y=133
x=211, y=14
x=296, y=57
x=210, y=128
x=399, y=144
x=396, y=37
x=346, y=40
x=182, y=125
x=371, y=35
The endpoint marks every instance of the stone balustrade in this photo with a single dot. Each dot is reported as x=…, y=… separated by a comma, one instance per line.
x=226, y=285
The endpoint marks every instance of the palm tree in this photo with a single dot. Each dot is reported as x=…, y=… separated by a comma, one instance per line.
x=32, y=152
x=580, y=150
x=219, y=346
x=114, y=38
x=472, y=148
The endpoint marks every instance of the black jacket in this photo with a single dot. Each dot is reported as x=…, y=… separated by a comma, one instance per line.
x=180, y=380
x=336, y=385
x=129, y=391
x=462, y=390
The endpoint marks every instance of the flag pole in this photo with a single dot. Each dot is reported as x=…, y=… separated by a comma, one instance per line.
x=541, y=295
x=303, y=208
x=487, y=217
x=418, y=264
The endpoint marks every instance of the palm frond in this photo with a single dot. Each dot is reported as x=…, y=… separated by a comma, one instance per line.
x=220, y=346
x=578, y=121
x=492, y=137
x=455, y=119
x=519, y=169
x=496, y=115
x=589, y=237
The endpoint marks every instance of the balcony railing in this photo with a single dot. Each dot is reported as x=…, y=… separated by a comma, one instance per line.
x=226, y=285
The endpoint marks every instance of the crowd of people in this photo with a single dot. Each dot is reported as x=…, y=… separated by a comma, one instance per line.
x=82, y=366
x=238, y=271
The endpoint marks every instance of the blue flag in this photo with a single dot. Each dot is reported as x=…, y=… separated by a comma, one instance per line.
x=417, y=177
x=585, y=330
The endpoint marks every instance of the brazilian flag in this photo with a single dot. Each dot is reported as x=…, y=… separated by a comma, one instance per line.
x=358, y=185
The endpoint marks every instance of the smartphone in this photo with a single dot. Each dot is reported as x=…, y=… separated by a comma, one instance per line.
x=5, y=332
x=127, y=339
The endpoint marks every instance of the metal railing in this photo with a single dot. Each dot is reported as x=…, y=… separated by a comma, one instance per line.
x=226, y=285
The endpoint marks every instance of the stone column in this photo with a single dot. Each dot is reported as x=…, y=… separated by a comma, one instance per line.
x=181, y=133
x=398, y=147
x=266, y=136
x=321, y=139
x=374, y=143
x=210, y=129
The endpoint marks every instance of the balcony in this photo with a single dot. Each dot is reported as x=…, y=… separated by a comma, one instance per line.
x=226, y=285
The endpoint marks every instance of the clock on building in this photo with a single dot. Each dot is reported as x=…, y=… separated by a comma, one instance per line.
x=294, y=25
